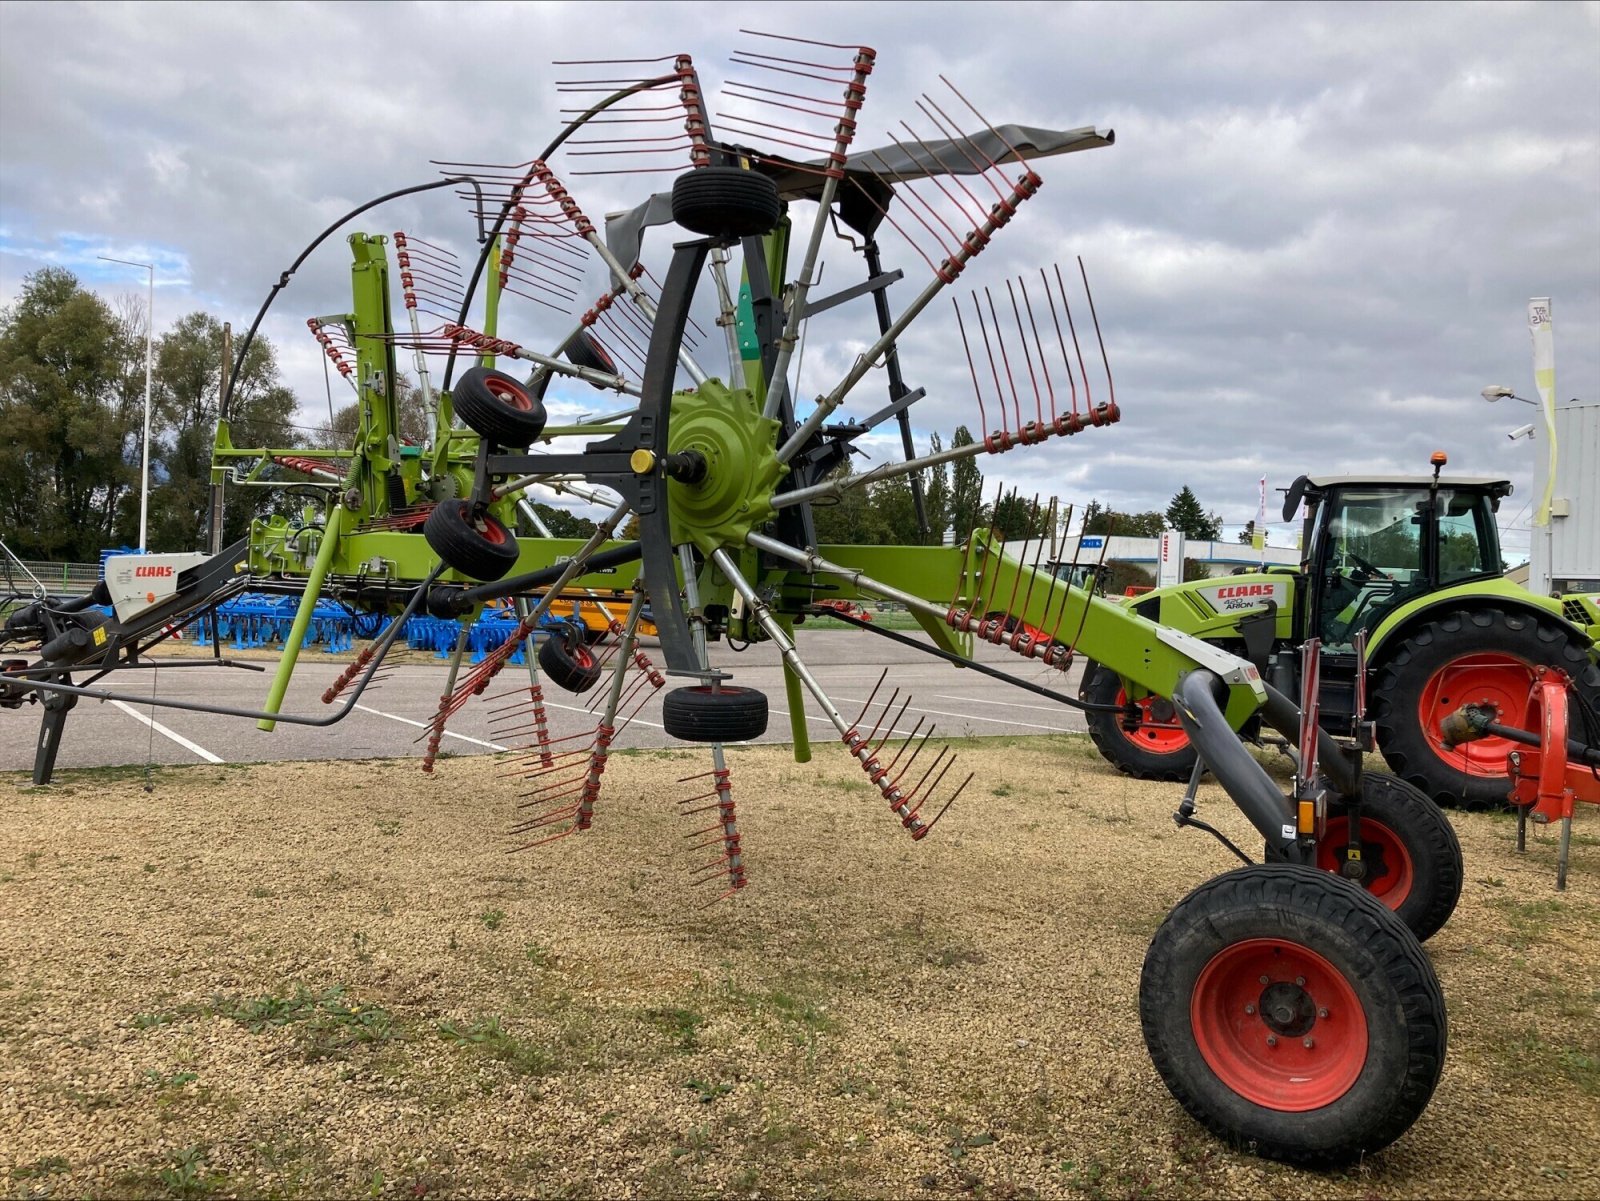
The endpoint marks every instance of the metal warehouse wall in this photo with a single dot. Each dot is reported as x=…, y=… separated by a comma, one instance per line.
x=1570, y=549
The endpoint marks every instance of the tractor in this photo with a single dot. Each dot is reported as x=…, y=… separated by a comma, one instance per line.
x=1403, y=573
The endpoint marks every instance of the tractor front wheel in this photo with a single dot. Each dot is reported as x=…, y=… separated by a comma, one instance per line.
x=1477, y=656
x=1293, y=1015
x=1157, y=750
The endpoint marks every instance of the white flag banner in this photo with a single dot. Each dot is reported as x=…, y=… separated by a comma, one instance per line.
x=1542, y=327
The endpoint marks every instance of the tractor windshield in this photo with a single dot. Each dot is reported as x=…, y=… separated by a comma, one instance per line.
x=1377, y=552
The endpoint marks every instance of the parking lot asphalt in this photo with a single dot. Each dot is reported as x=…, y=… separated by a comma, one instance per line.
x=390, y=720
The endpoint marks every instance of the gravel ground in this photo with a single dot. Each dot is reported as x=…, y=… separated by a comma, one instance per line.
x=330, y=979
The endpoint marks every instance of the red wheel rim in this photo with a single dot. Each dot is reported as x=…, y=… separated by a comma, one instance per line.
x=582, y=657
x=1380, y=846
x=1495, y=679
x=1255, y=1008
x=493, y=532
x=508, y=392
x=1158, y=730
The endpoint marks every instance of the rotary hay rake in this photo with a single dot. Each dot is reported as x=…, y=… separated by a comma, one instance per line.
x=1289, y=1010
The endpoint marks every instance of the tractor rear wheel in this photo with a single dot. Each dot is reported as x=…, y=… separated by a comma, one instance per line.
x=1293, y=1015
x=1157, y=750
x=1410, y=856
x=1467, y=656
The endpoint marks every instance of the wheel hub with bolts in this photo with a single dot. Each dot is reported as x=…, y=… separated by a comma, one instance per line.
x=741, y=471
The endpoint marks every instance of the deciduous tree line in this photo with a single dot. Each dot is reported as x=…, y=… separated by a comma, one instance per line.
x=72, y=376
x=71, y=415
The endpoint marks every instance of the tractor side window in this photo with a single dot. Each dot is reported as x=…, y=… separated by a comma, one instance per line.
x=1461, y=535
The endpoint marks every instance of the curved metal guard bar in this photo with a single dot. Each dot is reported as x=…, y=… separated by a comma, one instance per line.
x=1235, y=768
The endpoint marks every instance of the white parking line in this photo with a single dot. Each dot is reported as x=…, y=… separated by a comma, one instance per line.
x=422, y=725
x=166, y=733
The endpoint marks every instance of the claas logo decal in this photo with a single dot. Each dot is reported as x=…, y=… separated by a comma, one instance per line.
x=1245, y=590
x=156, y=572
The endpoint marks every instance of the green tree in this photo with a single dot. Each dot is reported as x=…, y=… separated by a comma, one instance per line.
x=854, y=519
x=1122, y=575
x=1100, y=519
x=563, y=523
x=1185, y=515
x=69, y=455
x=936, y=495
x=188, y=377
x=1017, y=518
x=966, y=489
x=414, y=431
x=896, y=509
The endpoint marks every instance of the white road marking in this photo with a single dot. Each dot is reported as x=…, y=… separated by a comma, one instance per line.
x=166, y=733
x=823, y=721
x=978, y=700
x=997, y=721
x=580, y=709
x=422, y=725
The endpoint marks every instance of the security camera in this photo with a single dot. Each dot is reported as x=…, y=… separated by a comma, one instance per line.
x=1496, y=392
x=1522, y=431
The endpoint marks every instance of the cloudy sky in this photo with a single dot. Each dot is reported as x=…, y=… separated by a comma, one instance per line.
x=1311, y=246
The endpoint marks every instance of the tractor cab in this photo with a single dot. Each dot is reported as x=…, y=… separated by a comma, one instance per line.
x=1373, y=543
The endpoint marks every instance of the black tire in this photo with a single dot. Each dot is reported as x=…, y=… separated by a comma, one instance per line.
x=1331, y=952
x=499, y=408
x=697, y=714
x=584, y=351
x=1405, y=676
x=1410, y=857
x=484, y=550
x=1139, y=752
x=565, y=659
x=725, y=202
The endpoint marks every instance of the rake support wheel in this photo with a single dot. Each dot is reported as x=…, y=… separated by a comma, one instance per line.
x=1293, y=1015
x=584, y=351
x=726, y=203
x=1410, y=857
x=480, y=547
x=700, y=714
x=497, y=407
x=565, y=658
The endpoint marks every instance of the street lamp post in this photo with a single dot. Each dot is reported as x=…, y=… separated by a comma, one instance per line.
x=149, y=335
x=1539, y=571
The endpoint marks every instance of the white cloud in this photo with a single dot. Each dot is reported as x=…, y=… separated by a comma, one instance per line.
x=1310, y=247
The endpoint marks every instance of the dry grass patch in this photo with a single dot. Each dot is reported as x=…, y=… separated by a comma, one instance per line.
x=303, y=980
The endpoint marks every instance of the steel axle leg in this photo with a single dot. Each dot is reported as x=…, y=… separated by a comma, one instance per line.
x=719, y=762
x=56, y=708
